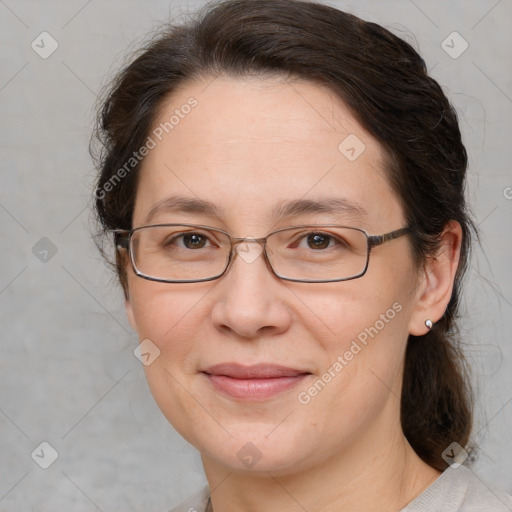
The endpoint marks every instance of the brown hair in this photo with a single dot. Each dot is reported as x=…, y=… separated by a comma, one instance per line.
x=385, y=83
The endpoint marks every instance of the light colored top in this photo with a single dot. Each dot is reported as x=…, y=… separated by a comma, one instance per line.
x=455, y=490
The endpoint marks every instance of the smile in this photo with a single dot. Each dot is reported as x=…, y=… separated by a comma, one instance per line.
x=258, y=382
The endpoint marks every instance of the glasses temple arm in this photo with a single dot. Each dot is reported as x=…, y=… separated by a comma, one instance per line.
x=380, y=239
x=122, y=238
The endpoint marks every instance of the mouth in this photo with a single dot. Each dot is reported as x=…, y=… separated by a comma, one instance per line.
x=257, y=382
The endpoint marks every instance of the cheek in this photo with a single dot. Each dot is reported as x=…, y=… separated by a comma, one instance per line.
x=362, y=360
x=365, y=330
x=356, y=310
x=169, y=317
x=173, y=320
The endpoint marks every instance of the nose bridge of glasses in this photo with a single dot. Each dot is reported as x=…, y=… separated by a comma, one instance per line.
x=248, y=249
x=237, y=241
x=238, y=245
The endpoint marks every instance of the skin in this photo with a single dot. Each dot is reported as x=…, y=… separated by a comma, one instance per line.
x=246, y=146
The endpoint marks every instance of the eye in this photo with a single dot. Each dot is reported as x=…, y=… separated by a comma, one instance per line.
x=189, y=240
x=194, y=241
x=318, y=241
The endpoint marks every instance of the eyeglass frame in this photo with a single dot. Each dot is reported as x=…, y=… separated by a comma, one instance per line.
x=123, y=240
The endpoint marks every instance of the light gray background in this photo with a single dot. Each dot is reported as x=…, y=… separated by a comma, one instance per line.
x=68, y=375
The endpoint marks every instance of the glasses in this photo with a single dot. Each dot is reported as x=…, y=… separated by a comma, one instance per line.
x=186, y=253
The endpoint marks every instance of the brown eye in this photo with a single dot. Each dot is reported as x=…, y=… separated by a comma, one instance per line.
x=194, y=241
x=186, y=240
x=318, y=241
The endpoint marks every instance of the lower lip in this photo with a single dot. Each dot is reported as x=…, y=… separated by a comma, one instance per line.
x=254, y=389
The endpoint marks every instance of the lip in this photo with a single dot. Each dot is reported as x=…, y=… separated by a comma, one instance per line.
x=256, y=382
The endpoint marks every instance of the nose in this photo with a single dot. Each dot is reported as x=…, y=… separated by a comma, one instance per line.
x=249, y=300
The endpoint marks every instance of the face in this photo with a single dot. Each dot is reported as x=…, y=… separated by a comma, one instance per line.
x=249, y=146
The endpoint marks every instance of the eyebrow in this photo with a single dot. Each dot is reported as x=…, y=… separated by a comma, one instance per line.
x=284, y=209
x=332, y=205
x=180, y=204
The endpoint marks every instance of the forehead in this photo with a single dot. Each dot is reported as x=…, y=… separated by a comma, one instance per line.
x=250, y=144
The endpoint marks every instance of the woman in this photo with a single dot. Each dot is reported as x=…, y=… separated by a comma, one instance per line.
x=285, y=184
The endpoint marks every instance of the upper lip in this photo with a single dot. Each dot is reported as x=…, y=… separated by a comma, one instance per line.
x=257, y=371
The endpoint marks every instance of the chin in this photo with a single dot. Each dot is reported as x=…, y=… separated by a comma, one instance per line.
x=250, y=448
x=275, y=435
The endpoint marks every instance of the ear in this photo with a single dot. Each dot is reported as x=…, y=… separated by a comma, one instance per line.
x=129, y=313
x=123, y=266
x=436, y=284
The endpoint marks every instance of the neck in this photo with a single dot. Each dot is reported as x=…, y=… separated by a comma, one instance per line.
x=377, y=472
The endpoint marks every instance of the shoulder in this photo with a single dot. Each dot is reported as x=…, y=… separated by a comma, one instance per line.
x=195, y=503
x=460, y=490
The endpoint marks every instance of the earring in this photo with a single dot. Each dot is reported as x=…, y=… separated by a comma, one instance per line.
x=429, y=323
